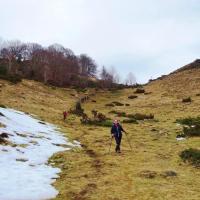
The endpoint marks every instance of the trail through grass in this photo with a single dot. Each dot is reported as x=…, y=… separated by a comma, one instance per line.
x=92, y=173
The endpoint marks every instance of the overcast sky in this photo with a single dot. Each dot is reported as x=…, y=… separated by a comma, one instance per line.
x=146, y=37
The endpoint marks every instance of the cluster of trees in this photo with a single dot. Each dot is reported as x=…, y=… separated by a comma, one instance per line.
x=111, y=76
x=54, y=65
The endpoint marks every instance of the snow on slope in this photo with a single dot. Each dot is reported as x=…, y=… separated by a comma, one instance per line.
x=24, y=172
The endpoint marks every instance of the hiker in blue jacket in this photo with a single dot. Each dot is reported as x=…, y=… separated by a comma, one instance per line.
x=116, y=132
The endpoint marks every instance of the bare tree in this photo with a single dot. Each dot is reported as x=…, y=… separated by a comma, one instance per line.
x=105, y=75
x=115, y=75
x=131, y=79
x=87, y=65
x=13, y=51
x=55, y=64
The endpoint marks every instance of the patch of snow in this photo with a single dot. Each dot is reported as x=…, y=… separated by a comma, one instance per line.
x=25, y=173
x=180, y=138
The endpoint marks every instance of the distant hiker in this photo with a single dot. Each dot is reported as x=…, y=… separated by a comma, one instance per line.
x=116, y=132
x=64, y=115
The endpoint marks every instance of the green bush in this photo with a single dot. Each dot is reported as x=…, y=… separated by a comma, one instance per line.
x=189, y=121
x=107, y=123
x=130, y=121
x=192, y=156
x=193, y=126
x=136, y=116
x=99, y=119
x=118, y=113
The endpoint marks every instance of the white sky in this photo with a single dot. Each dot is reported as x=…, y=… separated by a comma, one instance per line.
x=147, y=37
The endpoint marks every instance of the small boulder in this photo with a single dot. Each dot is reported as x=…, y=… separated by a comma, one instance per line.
x=4, y=135
x=132, y=97
x=3, y=141
x=140, y=91
x=2, y=114
x=187, y=100
x=148, y=174
x=168, y=174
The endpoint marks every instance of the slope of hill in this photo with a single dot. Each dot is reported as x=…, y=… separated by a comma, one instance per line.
x=193, y=65
x=182, y=82
x=153, y=170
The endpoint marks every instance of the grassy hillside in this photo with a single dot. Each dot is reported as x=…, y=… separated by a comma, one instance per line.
x=153, y=170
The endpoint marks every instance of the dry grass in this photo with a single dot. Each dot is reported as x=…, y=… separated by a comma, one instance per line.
x=92, y=173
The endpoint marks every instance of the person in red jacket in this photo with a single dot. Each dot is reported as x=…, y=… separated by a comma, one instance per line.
x=64, y=115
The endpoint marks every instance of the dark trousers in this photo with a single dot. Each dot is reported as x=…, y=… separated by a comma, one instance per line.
x=118, y=142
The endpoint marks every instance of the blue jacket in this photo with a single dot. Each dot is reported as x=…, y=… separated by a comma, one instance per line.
x=117, y=130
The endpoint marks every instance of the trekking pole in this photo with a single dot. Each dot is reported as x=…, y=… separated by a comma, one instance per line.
x=110, y=144
x=128, y=141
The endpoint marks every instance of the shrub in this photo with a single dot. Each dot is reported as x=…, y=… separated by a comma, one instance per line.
x=193, y=126
x=78, y=109
x=117, y=103
x=136, y=116
x=187, y=100
x=98, y=120
x=107, y=123
x=132, y=97
x=192, y=156
x=130, y=121
x=94, y=112
x=85, y=119
x=84, y=99
x=101, y=117
x=79, y=89
x=2, y=106
x=189, y=121
x=191, y=131
x=3, y=70
x=13, y=79
x=139, y=116
x=127, y=104
x=140, y=91
x=118, y=113
x=181, y=135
